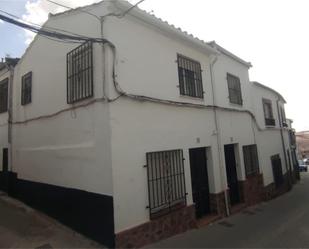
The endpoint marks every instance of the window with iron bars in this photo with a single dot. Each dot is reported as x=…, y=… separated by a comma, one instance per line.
x=268, y=113
x=80, y=73
x=4, y=86
x=26, y=89
x=234, y=88
x=166, y=182
x=251, y=159
x=190, y=77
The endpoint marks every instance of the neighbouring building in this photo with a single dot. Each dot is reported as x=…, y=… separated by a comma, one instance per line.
x=302, y=140
x=135, y=140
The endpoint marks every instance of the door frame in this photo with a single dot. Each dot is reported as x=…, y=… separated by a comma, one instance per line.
x=234, y=191
x=197, y=198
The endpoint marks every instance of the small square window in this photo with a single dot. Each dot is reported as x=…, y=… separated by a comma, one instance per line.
x=4, y=86
x=190, y=77
x=26, y=89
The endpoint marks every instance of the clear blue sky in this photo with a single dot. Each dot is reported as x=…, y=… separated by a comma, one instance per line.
x=12, y=39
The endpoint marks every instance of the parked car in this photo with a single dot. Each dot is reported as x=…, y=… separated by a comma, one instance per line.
x=302, y=166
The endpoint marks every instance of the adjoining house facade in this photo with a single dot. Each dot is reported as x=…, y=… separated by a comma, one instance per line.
x=134, y=142
x=302, y=144
x=6, y=79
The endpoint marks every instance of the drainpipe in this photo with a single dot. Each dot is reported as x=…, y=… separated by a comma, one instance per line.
x=218, y=134
x=283, y=145
x=102, y=19
x=10, y=114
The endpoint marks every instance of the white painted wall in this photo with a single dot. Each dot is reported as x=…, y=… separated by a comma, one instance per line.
x=269, y=138
x=234, y=127
x=146, y=65
x=140, y=128
x=3, y=122
x=71, y=149
x=102, y=148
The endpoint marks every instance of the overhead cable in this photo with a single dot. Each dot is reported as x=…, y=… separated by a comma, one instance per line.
x=53, y=34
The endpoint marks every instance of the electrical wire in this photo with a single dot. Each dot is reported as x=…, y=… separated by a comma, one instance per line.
x=52, y=34
x=81, y=10
x=40, y=26
x=61, y=37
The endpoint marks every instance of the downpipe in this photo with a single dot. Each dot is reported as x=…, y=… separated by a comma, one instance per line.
x=218, y=135
x=10, y=116
x=283, y=146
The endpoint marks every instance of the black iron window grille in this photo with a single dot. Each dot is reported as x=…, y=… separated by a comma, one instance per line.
x=80, y=73
x=166, y=182
x=4, y=87
x=234, y=88
x=190, y=77
x=26, y=89
x=251, y=159
x=268, y=113
x=277, y=170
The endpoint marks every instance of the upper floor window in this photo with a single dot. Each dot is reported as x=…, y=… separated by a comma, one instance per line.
x=251, y=159
x=4, y=86
x=234, y=87
x=268, y=113
x=283, y=117
x=26, y=88
x=80, y=73
x=190, y=77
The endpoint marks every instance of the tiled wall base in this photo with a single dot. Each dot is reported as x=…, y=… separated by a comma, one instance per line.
x=271, y=191
x=252, y=189
x=166, y=226
x=217, y=204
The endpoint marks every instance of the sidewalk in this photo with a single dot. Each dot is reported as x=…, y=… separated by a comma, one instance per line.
x=23, y=227
x=279, y=223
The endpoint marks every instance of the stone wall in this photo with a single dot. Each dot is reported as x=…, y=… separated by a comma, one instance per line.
x=166, y=226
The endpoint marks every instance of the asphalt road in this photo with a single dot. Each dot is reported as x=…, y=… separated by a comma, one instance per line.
x=279, y=223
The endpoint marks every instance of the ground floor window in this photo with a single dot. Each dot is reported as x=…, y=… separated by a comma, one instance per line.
x=251, y=159
x=166, y=182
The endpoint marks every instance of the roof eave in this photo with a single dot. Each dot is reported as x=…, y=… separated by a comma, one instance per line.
x=164, y=26
x=270, y=89
x=229, y=54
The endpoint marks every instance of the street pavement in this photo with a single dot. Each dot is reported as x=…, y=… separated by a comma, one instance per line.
x=279, y=223
x=23, y=227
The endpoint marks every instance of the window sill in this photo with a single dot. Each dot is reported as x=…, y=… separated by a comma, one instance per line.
x=271, y=127
x=191, y=97
x=236, y=104
x=167, y=211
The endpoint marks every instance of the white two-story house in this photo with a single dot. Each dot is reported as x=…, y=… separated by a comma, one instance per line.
x=136, y=138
